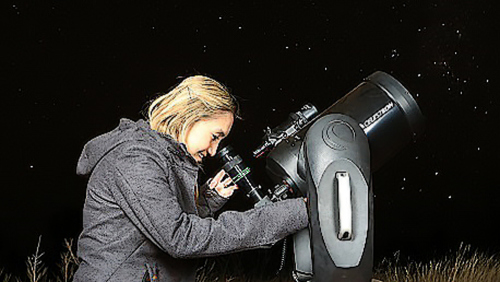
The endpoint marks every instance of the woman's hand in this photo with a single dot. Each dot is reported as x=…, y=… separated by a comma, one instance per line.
x=223, y=187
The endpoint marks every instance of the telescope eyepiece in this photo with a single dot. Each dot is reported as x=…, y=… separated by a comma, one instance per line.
x=239, y=172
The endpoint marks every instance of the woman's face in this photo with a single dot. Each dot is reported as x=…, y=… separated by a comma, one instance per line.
x=203, y=138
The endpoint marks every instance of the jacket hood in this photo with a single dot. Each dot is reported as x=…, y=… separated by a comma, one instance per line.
x=126, y=131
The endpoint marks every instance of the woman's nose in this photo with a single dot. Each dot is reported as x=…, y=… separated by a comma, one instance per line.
x=212, y=150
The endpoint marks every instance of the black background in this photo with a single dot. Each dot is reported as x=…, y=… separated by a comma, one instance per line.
x=72, y=69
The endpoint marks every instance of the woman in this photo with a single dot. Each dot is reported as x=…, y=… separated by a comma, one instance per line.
x=143, y=213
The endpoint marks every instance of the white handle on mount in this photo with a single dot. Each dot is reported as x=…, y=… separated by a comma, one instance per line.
x=345, y=206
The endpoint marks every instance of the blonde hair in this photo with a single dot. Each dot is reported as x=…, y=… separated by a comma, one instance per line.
x=195, y=98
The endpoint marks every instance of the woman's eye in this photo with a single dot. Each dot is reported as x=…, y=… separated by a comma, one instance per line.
x=214, y=137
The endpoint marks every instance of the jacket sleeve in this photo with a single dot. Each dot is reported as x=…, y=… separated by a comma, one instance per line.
x=143, y=193
x=209, y=201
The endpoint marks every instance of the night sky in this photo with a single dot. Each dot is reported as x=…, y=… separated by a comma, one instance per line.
x=72, y=69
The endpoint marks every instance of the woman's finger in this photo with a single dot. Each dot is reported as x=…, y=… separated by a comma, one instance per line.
x=228, y=191
x=227, y=181
x=217, y=179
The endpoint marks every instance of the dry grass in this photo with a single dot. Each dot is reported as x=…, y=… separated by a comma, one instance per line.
x=36, y=271
x=465, y=265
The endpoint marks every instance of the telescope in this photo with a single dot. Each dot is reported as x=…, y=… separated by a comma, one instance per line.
x=330, y=158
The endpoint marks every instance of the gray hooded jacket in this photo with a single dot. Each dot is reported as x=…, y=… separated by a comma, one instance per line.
x=140, y=210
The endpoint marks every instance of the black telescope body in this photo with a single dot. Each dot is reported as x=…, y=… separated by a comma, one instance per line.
x=382, y=107
x=330, y=160
x=386, y=112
